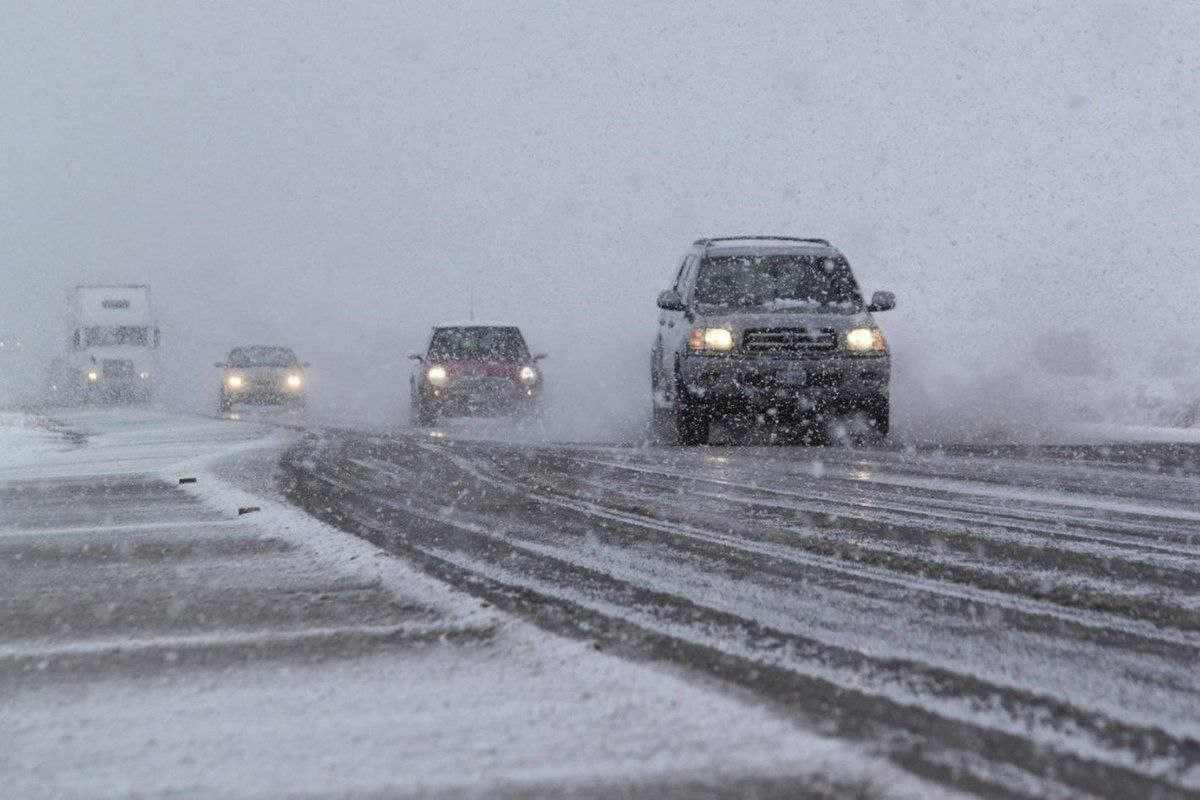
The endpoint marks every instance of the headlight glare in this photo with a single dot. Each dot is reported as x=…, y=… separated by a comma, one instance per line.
x=437, y=376
x=714, y=339
x=294, y=381
x=865, y=340
x=93, y=376
x=528, y=375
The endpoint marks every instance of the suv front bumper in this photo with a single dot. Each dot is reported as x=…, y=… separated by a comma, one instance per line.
x=743, y=383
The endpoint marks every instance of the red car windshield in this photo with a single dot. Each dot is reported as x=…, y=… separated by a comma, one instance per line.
x=478, y=343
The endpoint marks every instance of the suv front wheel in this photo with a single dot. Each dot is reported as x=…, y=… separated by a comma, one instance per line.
x=686, y=423
x=879, y=414
x=691, y=424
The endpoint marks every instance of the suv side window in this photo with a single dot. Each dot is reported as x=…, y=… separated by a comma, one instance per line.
x=687, y=275
x=679, y=284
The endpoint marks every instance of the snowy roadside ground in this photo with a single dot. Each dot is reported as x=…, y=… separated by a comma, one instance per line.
x=26, y=442
x=1113, y=433
x=169, y=646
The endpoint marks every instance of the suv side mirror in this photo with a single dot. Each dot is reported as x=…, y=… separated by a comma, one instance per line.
x=669, y=300
x=416, y=356
x=882, y=301
x=538, y=356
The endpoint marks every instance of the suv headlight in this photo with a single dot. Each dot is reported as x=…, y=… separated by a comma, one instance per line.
x=865, y=340
x=528, y=375
x=235, y=381
x=437, y=376
x=294, y=381
x=719, y=340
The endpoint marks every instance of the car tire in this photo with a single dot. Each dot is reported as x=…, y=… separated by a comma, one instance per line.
x=688, y=423
x=690, y=420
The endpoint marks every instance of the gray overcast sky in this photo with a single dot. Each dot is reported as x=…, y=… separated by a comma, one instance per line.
x=338, y=175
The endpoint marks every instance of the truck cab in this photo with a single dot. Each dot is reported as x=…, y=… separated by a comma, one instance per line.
x=112, y=353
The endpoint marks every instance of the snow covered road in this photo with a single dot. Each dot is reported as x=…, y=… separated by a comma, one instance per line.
x=1022, y=624
x=154, y=642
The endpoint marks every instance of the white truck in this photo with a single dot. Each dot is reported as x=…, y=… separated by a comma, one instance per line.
x=112, y=353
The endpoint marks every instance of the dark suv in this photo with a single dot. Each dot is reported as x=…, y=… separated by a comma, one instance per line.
x=767, y=325
x=474, y=369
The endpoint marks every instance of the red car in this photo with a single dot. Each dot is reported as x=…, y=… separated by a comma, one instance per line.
x=475, y=369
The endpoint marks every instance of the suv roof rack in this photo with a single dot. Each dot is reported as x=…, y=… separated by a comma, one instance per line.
x=707, y=241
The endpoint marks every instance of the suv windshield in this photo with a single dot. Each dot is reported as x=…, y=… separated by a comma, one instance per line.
x=478, y=343
x=778, y=283
x=262, y=357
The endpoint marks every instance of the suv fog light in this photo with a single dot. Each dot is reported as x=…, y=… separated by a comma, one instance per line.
x=437, y=376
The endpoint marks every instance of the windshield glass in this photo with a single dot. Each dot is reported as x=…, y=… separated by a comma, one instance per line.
x=262, y=357
x=478, y=343
x=118, y=336
x=778, y=283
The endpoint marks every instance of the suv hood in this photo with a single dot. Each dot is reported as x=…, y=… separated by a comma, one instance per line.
x=743, y=320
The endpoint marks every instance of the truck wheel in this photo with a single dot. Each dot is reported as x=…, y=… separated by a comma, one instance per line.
x=426, y=416
x=660, y=424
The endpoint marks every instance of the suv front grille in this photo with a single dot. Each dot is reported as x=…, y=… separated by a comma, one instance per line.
x=788, y=340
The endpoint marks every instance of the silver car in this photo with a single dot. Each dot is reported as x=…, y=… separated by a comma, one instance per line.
x=767, y=326
x=262, y=374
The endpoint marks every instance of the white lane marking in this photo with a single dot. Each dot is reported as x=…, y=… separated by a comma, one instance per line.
x=132, y=527
x=126, y=646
